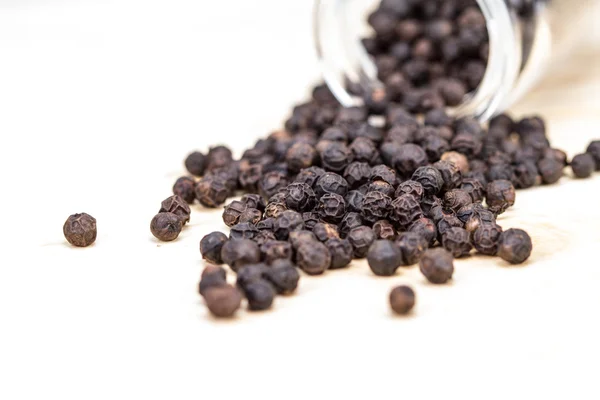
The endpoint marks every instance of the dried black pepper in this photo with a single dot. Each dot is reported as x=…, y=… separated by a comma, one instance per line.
x=457, y=241
x=240, y=252
x=211, y=245
x=514, y=246
x=500, y=195
x=486, y=238
x=437, y=265
x=384, y=230
x=384, y=257
x=260, y=295
x=361, y=239
x=341, y=252
x=313, y=258
x=283, y=276
x=195, y=163
x=402, y=300
x=80, y=230
x=412, y=245
x=223, y=301
x=164, y=226
x=583, y=165
x=185, y=188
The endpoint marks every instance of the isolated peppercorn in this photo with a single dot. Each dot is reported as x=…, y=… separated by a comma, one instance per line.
x=384, y=258
x=457, y=241
x=283, y=276
x=313, y=258
x=80, y=230
x=437, y=265
x=239, y=252
x=361, y=239
x=223, y=301
x=583, y=165
x=211, y=245
x=402, y=300
x=195, y=163
x=212, y=276
x=500, y=195
x=185, y=188
x=486, y=238
x=166, y=226
x=514, y=246
x=218, y=157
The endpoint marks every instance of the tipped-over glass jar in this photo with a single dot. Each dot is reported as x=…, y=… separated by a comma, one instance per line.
x=518, y=39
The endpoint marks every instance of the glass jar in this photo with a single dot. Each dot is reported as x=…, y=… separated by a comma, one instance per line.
x=520, y=46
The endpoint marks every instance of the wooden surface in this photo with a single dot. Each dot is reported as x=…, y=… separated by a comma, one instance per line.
x=98, y=120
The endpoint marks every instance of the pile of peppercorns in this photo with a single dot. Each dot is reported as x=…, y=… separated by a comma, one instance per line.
x=338, y=184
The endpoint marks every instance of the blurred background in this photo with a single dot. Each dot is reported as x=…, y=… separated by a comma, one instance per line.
x=101, y=100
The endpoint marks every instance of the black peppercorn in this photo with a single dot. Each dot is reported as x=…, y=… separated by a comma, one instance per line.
x=408, y=158
x=411, y=187
x=313, y=258
x=275, y=209
x=240, y=252
x=405, y=210
x=251, y=215
x=383, y=173
x=177, y=206
x=583, y=165
x=271, y=183
x=250, y=273
x=350, y=221
x=594, y=150
x=384, y=258
x=479, y=218
x=437, y=266
x=332, y=208
x=354, y=201
x=474, y=188
x=309, y=176
x=211, y=245
x=486, y=238
x=514, y=246
x=218, y=157
x=331, y=183
x=260, y=295
x=324, y=231
x=212, y=276
x=430, y=178
x=500, y=195
x=402, y=300
x=341, y=252
x=457, y=242
x=425, y=228
x=336, y=156
x=364, y=150
x=412, y=245
x=451, y=175
x=459, y=160
x=266, y=224
x=381, y=187
x=286, y=222
x=243, y=230
x=384, y=230
x=361, y=239
x=300, y=197
x=297, y=238
x=263, y=237
x=233, y=211
x=551, y=170
x=275, y=250
x=357, y=174
x=254, y=201
x=376, y=206
x=185, y=188
x=456, y=199
x=300, y=155
x=212, y=191
x=80, y=230
x=195, y=163
x=223, y=301
x=165, y=226
x=283, y=276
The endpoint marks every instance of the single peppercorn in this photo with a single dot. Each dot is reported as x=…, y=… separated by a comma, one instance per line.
x=260, y=295
x=411, y=187
x=551, y=170
x=383, y=173
x=239, y=252
x=335, y=156
x=212, y=276
x=402, y=300
x=514, y=246
x=313, y=258
x=430, y=178
x=594, y=150
x=384, y=258
x=458, y=159
x=381, y=187
x=177, y=206
x=331, y=183
x=350, y=221
x=212, y=191
x=361, y=239
x=233, y=211
x=325, y=231
x=298, y=238
x=274, y=209
x=271, y=183
x=474, y=188
x=243, y=230
x=195, y=163
x=166, y=226
x=486, y=238
x=300, y=197
x=376, y=206
x=263, y=237
x=412, y=246
x=309, y=176
x=479, y=218
x=583, y=165
x=341, y=252
x=500, y=195
x=457, y=241
x=211, y=245
x=300, y=155
x=253, y=200
x=286, y=222
x=451, y=175
x=223, y=301
x=357, y=174
x=425, y=228
x=274, y=250
x=250, y=273
x=332, y=207
x=251, y=216
x=405, y=210
x=456, y=199
x=447, y=221
x=185, y=188
x=408, y=158
x=80, y=230
x=384, y=230
x=437, y=265
x=283, y=276
x=354, y=201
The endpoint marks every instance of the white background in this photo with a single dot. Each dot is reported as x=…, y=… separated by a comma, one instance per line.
x=99, y=103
